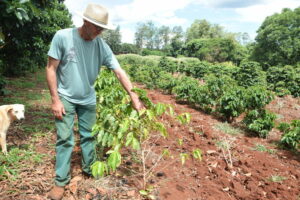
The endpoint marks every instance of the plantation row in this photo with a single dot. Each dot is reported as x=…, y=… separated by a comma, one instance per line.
x=223, y=90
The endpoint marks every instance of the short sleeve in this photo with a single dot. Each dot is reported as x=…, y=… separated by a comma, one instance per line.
x=55, y=50
x=110, y=60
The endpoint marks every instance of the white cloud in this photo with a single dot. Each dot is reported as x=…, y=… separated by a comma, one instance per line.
x=76, y=6
x=127, y=35
x=257, y=13
x=159, y=11
x=234, y=15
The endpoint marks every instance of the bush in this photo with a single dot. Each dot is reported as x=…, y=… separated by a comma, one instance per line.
x=186, y=88
x=284, y=80
x=147, y=52
x=250, y=74
x=166, y=82
x=232, y=104
x=260, y=122
x=127, y=48
x=291, y=134
x=257, y=97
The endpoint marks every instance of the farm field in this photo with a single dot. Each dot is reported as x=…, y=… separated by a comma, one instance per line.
x=222, y=101
x=260, y=169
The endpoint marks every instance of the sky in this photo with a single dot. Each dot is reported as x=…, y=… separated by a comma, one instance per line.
x=234, y=15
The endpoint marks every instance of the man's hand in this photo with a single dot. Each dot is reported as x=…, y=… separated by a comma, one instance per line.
x=57, y=106
x=124, y=80
x=136, y=103
x=58, y=109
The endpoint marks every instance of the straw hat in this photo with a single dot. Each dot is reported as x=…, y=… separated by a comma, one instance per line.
x=97, y=15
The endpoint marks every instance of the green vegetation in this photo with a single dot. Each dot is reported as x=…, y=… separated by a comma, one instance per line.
x=26, y=30
x=262, y=148
x=228, y=129
x=277, y=41
x=277, y=178
x=21, y=156
x=13, y=163
x=119, y=125
x=291, y=134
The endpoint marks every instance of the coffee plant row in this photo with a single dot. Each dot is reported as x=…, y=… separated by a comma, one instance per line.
x=223, y=89
x=283, y=80
x=215, y=90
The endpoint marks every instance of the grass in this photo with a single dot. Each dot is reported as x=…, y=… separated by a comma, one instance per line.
x=21, y=84
x=30, y=91
x=227, y=128
x=11, y=164
x=277, y=178
x=262, y=148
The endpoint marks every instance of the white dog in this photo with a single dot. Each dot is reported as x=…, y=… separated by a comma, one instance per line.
x=9, y=113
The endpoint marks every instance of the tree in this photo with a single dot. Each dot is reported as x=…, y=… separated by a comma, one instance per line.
x=129, y=48
x=243, y=38
x=163, y=34
x=113, y=39
x=214, y=50
x=278, y=39
x=203, y=29
x=26, y=31
x=176, y=41
x=145, y=35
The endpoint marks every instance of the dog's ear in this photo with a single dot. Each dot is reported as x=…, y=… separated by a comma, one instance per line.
x=9, y=108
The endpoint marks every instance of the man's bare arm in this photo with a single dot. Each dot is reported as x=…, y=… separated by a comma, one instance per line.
x=57, y=106
x=124, y=80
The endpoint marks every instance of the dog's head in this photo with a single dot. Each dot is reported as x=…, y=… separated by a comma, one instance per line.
x=16, y=111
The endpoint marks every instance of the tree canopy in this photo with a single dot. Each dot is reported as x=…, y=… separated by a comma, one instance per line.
x=26, y=30
x=278, y=39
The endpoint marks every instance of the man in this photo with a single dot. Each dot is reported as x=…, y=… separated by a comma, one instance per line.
x=75, y=58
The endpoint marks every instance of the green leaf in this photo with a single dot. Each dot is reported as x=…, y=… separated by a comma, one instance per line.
x=171, y=111
x=184, y=118
x=183, y=157
x=99, y=169
x=197, y=153
x=124, y=126
x=135, y=144
x=19, y=15
x=129, y=139
x=114, y=160
x=159, y=109
x=180, y=141
x=162, y=129
x=2, y=36
x=143, y=192
x=166, y=153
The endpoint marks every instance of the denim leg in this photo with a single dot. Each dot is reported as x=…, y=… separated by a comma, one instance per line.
x=64, y=144
x=86, y=120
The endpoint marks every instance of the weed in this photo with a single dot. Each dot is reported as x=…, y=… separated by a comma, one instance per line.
x=262, y=148
x=227, y=128
x=226, y=144
x=277, y=178
x=22, y=84
x=15, y=160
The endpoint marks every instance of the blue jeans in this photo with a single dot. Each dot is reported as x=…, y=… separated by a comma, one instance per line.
x=65, y=139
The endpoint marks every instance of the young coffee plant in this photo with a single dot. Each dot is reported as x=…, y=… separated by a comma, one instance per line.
x=231, y=104
x=291, y=134
x=260, y=122
x=119, y=125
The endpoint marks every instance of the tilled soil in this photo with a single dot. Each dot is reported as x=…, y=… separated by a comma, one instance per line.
x=252, y=175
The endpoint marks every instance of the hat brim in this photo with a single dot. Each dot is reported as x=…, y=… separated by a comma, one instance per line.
x=108, y=26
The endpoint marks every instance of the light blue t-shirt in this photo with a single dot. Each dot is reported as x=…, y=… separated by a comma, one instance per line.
x=80, y=63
